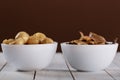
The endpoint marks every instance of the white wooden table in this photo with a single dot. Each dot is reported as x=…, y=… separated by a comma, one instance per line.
x=58, y=70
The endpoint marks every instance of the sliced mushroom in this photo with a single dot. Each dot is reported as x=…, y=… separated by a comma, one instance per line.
x=97, y=38
x=92, y=39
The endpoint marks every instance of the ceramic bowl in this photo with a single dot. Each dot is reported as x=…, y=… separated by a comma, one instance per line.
x=89, y=57
x=29, y=57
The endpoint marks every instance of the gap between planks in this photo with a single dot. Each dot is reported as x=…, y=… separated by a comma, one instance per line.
x=3, y=66
x=106, y=70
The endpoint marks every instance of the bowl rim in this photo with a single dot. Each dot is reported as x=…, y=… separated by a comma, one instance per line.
x=29, y=44
x=65, y=43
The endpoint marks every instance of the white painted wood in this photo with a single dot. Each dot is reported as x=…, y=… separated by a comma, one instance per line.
x=111, y=73
x=8, y=75
x=53, y=75
x=117, y=59
x=9, y=67
x=2, y=60
x=9, y=72
x=114, y=69
x=57, y=63
x=101, y=75
x=57, y=70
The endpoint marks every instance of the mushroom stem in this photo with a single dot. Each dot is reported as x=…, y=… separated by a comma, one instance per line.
x=81, y=34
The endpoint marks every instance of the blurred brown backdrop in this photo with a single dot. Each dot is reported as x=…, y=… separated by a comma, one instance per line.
x=60, y=19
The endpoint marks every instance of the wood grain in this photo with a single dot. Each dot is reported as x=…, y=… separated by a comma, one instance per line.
x=58, y=70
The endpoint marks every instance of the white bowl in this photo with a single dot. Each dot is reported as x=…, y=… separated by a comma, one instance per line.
x=29, y=57
x=89, y=57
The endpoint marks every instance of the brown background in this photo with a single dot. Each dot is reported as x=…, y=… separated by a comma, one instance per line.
x=60, y=19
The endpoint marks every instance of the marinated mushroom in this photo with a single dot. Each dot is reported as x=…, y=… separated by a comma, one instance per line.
x=24, y=38
x=18, y=41
x=23, y=35
x=7, y=41
x=33, y=40
x=47, y=40
x=97, y=38
x=92, y=39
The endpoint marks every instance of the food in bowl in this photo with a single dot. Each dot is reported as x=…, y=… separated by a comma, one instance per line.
x=84, y=55
x=29, y=55
x=92, y=39
x=24, y=38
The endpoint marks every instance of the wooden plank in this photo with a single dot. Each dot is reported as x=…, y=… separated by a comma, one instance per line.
x=9, y=72
x=107, y=74
x=111, y=73
x=117, y=60
x=57, y=63
x=114, y=69
x=8, y=67
x=2, y=61
x=9, y=75
x=53, y=75
x=100, y=75
x=57, y=70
